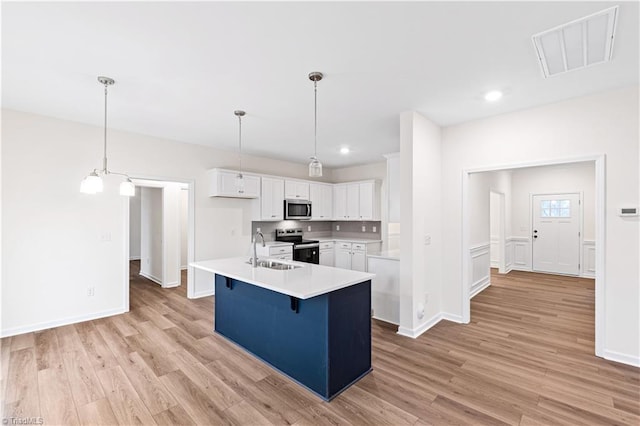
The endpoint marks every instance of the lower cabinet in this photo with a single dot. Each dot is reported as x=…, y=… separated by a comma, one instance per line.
x=284, y=252
x=354, y=255
x=327, y=253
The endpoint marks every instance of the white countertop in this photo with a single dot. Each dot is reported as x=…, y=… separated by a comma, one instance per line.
x=389, y=254
x=276, y=243
x=308, y=281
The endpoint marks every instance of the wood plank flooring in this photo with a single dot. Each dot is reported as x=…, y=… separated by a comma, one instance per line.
x=525, y=359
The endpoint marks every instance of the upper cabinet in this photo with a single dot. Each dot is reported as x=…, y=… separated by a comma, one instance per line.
x=357, y=201
x=272, y=199
x=224, y=183
x=321, y=197
x=296, y=190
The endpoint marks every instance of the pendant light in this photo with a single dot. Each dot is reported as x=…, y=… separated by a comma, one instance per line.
x=93, y=182
x=239, y=178
x=315, y=166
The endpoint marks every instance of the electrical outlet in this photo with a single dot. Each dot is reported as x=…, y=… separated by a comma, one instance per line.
x=91, y=291
x=105, y=237
x=337, y=227
x=364, y=228
x=427, y=240
x=258, y=230
x=375, y=229
x=426, y=298
x=309, y=228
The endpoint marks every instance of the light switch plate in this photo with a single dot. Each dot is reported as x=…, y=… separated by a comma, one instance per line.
x=364, y=228
x=337, y=227
x=375, y=229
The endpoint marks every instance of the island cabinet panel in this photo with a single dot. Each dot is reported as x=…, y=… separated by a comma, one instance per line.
x=323, y=343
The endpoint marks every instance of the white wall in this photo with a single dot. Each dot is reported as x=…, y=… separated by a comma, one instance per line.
x=605, y=123
x=420, y=268
x=171, y=203
x=151, y=234
x=494, y=228
x=134, y=226
x=184, y=227
x=43, y=161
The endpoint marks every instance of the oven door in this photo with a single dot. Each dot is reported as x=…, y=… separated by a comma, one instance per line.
x=309, y=253
x=297, y=209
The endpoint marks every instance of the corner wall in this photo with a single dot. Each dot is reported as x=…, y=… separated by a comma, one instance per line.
x=421, y=218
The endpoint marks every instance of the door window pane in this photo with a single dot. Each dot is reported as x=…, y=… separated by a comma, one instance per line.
x=555, y=208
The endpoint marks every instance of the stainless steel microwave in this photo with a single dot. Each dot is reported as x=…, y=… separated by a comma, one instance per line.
x=297, y=209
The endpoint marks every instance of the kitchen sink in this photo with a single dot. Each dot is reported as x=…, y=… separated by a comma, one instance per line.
x=274, y=264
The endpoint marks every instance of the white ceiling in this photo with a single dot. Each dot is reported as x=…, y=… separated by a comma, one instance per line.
x=181, y=69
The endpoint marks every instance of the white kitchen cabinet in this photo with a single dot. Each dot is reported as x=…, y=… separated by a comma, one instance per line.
x=353, y=255
x=327, y=253
x=353, y=201
x=340, y=202
x=272, y=199
x=296, y=190
x=223, y=183
x=321, y=197
x=343, y=255
x=357, y=201
x=359, y=257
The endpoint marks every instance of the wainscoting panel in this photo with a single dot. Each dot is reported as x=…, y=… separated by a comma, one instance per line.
x=480, y=268
x=493, y=251
x=521, y=253
x=589, y=259
x=508, y=256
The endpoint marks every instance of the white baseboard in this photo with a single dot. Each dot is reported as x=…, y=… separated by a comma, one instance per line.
x=203, y=294
x=622, y=358
x=416, y=332
x=452, y=317
x=171, y=285
x=134, y=257
x=521, y=268
x=151, y=277
x=479, y=286
x=58, y=323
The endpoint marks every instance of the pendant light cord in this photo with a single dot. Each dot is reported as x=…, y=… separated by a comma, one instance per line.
x=315, y=119
x=104, y=159
x=240, y=142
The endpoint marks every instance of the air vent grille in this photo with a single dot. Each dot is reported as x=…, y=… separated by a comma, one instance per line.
x=577, y=44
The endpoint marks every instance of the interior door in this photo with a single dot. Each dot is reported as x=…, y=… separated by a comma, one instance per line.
x=556, y=233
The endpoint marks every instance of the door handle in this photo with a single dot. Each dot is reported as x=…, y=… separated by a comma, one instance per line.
x=535, y=231
x=535, y=236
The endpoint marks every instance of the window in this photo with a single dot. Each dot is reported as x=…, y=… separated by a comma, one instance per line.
x=555, y=208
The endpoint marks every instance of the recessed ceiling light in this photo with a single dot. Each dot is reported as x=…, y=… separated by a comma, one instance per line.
x=492, y=96
x=344, y=150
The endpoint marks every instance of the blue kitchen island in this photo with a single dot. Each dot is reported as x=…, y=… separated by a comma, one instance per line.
x=312, y=323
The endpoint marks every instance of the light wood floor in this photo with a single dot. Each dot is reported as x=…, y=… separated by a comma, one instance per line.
x=526, y=359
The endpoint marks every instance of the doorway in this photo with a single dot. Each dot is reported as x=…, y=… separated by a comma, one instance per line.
x=556, y=233
x=159, y=225
x=519, y=247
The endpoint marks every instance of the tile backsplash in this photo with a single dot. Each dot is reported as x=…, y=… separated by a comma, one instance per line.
x=321, y=229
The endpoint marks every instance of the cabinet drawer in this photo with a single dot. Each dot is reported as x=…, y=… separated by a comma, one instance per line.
x=359, y=247
x=344, y=246
x=327, y=245
x=278, y=250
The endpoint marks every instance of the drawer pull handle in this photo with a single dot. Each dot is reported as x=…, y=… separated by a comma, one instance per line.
x=228, y=283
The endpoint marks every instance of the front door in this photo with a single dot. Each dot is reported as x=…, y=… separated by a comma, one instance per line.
x=556, y=234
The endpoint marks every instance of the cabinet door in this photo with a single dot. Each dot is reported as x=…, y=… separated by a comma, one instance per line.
x=340, y=202
x=343, y=258
x=353, y=201
x=326, y=257
x=271, y=201
x=366, y=200
x=295, y=190
x=327, y=202
x=359, y=261
x=251, y=187
x=315, y=196
x=227, y=183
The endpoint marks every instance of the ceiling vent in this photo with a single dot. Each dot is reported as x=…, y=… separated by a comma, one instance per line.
x=578, y=44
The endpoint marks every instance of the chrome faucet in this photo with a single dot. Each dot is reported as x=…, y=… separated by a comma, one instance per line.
x=254, y=259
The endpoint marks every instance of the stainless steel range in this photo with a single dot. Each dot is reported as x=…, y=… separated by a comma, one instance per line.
x=303, y=250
